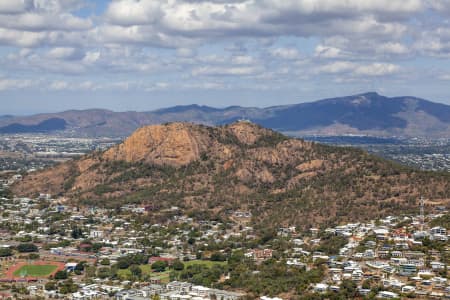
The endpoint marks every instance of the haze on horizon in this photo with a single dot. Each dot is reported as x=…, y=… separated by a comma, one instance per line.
x=143, y=55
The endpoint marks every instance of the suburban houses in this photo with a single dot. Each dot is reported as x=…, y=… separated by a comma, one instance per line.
x=102, y=253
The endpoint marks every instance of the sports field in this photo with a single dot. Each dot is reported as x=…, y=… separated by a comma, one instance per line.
x=35, y=270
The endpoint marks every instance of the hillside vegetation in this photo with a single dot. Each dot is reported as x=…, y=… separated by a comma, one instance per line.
x=211, y=171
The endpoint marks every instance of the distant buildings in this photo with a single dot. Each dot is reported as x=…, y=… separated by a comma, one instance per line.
x=177, y=291
x=259, y=254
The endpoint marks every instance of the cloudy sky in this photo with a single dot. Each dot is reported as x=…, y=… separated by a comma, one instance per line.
x=146, y=54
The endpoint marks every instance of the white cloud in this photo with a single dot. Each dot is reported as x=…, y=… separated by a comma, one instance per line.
x=445, y=77
x=140, y=35
x=337, y=67
x=40, y=23
x=24, y=52
x=22, y=38
x=183, y=24
x=91, y=57
x=44, y=22
x=66, y=53
x=285, y=53
x=59, y=85
x=186, y=52
x=346, y=7
x=355, y=69
x=57, y=6
x=228, y=43
x=377, y=69
x=12, y=84
x=442, y=6
x=133, y=12
x=434, y=42
x=392, y=48
x=64, y=85
x=87, y=85
x=204, y=86
x=243, y=60
x=14, y=6
x=364, y=48
x=215, y=19
x=327, y=52
x=226, y=71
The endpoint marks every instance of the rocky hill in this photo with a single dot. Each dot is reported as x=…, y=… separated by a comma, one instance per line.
x=212, y=171
x=368, y=114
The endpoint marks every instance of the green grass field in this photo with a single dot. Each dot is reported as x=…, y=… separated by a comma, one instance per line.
x=125, y=274
x=164, y=276
x=35, y=270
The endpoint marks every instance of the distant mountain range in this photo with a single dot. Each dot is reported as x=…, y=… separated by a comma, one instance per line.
x=48, y=125
x=364, y=114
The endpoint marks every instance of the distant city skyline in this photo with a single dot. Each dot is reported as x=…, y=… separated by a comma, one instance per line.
x=124, y=55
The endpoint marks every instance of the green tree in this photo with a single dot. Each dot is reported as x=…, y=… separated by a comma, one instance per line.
x=89, y=271
x=50, y=286
x=330, y=244
x=123, y=263
x=177, y=265
x=348, y=289
x=77, y=233
x=104, y=272
x=68, y=287
x=33, y=256
x=96, y=247
x=6, y=193
x=80, y=266
x=135, y=270
x=27, y=247
x=159, y=266
x=25, y=239
x=61, y=275
x=4, y=252
x=218, y=256
x=367, y=284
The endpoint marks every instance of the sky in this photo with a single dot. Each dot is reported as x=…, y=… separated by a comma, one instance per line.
x=147, y=54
